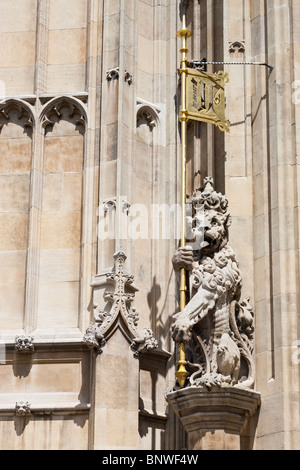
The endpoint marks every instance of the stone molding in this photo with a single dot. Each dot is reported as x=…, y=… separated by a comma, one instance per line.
x=26, y=409
x=227, y=409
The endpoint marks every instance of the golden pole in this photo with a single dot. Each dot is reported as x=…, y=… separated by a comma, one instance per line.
x=182, y=373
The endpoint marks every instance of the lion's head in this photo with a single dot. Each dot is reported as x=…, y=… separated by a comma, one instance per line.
x=210, y=219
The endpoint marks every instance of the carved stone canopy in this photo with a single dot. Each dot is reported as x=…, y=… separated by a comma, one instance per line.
x=118, y=312
x=62, y=107
x=16, y=111
x=147, y=113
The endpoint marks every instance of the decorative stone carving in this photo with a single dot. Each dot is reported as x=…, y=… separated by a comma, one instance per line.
x=93, y=338
x=215, y=326
x=23, y=408
x=145, y=117
x=24, y=344
x=119, y=298
x=144, y=342
x=237, y=47
x=147, y=113
x=126, y=207
x=21, y=112
x=112, y=203
x=109, y=204
x=63, y=107
x=128, y=78
x=113, y=74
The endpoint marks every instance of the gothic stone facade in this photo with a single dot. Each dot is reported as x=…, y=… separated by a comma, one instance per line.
x=88, y=134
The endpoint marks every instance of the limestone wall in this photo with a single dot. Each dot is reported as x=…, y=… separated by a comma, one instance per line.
x=89, y=130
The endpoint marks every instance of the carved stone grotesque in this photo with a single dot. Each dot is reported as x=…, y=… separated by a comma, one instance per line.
x=145, y=341
x=24, y=344
x=23, y=408
x=215, y=326
x=93, y=338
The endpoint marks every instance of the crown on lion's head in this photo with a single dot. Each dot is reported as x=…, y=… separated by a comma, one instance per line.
x=209, y=198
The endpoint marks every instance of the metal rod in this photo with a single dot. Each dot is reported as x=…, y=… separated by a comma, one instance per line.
x=182, y=373
x=200, y=62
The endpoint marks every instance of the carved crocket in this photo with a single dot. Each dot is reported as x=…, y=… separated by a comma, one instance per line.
x=216, y=329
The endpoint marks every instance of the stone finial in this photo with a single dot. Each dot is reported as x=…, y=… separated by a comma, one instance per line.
x=119, y=298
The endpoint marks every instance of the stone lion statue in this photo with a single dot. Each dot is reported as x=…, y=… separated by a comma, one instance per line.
x=215, y=326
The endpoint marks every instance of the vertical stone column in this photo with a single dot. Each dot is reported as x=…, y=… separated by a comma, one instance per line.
x=117, y=115
x=238, y=143
x=116, y=371
x=39, y=86
x=116, y=378
x=276, y=217
x=92, y=156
